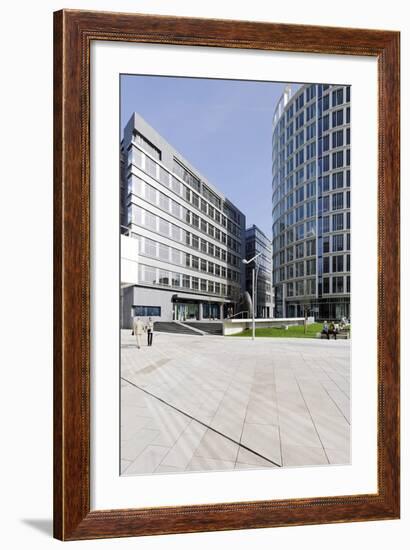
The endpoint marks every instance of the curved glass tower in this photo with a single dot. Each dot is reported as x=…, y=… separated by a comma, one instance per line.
x=311, y=202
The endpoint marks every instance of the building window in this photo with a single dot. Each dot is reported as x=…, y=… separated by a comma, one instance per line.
x=337, y=222
x=147, y=311
x=337, y=97
x=326, y=224
x=337, y=285
x=337, y=139
x=325, y=123
x=337, y=180
x=150, y=167
x=337, y=118
x=311, y=247
x=310, y=267
x=145, y=144
x=337, y=201
x=326, y=245
x=325, y=285
x=337, y=263
x=186, y=175
x=326, y=265
x=337, y=159
x=337, y=245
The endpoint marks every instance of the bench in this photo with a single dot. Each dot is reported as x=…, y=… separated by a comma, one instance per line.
x=341, y=335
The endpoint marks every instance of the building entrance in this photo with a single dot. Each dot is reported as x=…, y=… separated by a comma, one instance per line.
x=185, y=312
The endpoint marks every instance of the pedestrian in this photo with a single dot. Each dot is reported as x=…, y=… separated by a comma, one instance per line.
x=332, y=330
x=325, y=329
x=138, y=330
x=150, y=331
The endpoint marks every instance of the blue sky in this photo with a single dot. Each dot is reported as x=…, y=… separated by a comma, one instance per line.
x=222, y=127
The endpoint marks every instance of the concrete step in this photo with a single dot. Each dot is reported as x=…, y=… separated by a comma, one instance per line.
x=214, y=328
x=174, y=328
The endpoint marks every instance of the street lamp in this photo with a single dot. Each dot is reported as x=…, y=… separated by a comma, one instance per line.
x=254, y=279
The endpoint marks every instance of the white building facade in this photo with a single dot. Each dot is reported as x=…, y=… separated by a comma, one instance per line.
x=189, y=236
x=311, y=202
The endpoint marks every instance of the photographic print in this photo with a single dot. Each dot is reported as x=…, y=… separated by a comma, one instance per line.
x=235, y=274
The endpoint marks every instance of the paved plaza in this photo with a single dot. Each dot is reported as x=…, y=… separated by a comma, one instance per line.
x=201, y=403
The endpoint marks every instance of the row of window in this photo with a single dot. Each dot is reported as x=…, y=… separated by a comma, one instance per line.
x=333, y=285
x=168, y=254
x=335, y=222
x=336, y=243
x=143, y=218
x=147, y=311
x=141, y=188
x=328, y=182
x=165, y=278
x=303, y=134
x=339, y=159
x=338, y=263
x=301, y=288
x=296, y=175
x=153, y=169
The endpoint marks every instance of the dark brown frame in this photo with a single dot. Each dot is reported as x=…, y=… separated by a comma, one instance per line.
x=73, y=33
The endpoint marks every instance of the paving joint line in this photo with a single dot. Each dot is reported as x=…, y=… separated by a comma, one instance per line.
x=202, y=423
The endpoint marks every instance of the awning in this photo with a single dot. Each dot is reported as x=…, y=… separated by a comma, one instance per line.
x=199, y=298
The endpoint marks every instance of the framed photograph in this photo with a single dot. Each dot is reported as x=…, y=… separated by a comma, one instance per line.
x=226, y=275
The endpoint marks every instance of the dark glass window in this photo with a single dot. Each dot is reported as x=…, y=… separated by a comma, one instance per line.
x=147, y=311
x=337, y=263
x=337, y=118
x=337, y=138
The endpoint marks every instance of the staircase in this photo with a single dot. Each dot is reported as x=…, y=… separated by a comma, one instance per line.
x=214, y=328
x=173, y=328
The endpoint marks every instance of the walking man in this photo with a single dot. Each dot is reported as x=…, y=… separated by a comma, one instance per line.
x=150, y=331
x=138, y=330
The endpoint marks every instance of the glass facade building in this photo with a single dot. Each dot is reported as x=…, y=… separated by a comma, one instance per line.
x=190, y=236
x=311, y=202
x=258, y=243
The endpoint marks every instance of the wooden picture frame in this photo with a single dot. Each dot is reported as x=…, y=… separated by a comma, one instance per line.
x=74, y=32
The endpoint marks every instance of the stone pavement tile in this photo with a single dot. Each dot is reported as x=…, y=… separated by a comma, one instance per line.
x=300, y=455
x=247, y=459
x=339, y=456
x=261, y=412
x=334, y=431
x=292, y=407
x=124, y=465
x=169, y=424
x=216, y=446
x=319, y=403
x=342, y=402
x=132, y=447
x=231, y=427
x=182, y=452
x=167, y=470
x=131, y=424
x=286, y=397
x=263, y=439
x=298, y=429
x=148, y=461
x=200, y=464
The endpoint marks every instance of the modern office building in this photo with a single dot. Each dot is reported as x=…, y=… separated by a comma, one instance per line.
x=311, y=202
x=258, y=243
x=189, y=236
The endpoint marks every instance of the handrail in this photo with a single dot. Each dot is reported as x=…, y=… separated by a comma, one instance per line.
x=240, y=313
